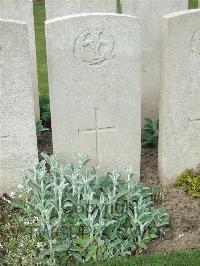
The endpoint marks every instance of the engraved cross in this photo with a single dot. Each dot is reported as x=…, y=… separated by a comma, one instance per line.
x=193, y=119
x=97, y=130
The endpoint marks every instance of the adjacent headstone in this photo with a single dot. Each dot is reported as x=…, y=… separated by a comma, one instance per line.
x=179, y=140
x=18, y=146
x=59, y=8
x=23, y=10
x=150, y=13
x=94, y=80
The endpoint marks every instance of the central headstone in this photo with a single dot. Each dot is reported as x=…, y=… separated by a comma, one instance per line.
x=94, y=79
x=59, y=8
x=18, y=145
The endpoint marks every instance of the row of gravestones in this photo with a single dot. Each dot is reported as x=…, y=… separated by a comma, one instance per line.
x=96, y=63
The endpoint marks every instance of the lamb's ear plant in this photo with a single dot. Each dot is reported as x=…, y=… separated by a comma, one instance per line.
x=82, y=216
x=40, y=127
x=150, y=133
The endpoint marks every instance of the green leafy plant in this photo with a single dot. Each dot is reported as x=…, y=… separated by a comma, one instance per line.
x=45, y=110
x=82, y=216
x=150, y=133
x=190, y=181
x=40, y=127
x=157, y=193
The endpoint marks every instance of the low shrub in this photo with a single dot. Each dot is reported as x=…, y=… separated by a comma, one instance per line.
x=190, y=181
x=45, y=111
x=150, y=133
x=82, y=216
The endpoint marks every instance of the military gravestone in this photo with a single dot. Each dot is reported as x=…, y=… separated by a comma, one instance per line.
x=179, y=140
x=59, y=8
x=94, y=80
x=23, y=10
x=18, y=146
x=150, y=13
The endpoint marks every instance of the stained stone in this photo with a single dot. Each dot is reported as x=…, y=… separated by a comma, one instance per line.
x=150, y=13
x=179, y=140
x=18, y=146
x=23, y=10
x=94, y=80
x=59, y=8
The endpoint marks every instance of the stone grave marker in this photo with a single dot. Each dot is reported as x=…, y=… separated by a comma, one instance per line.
x=59, y=8
x=18, y=145
x=94, y=79
x=179, y=140
x=23, y=10
x=150, y=13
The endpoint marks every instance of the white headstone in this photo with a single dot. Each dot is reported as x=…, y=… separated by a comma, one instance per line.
x=18, y=146
x=23, y=10
x=150, y=13
x=179, y=140
x=59, y=8
x=94, y=80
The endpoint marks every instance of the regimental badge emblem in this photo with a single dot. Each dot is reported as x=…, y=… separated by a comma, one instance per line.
x=94, y=47
x=195, y=43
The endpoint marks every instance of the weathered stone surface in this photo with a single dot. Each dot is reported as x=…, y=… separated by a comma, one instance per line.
x=179, y=142
x=59, y=8
x=23, y=10
x=94, y=78
x=18, y=146
x=150, y=13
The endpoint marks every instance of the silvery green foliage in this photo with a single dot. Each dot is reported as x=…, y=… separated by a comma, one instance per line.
x=84, y=216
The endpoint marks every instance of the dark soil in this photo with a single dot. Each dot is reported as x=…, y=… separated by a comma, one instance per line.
x=184, y=211
x=45, y=143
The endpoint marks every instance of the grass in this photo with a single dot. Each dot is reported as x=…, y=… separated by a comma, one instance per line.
x=39, y=13
x=193, y=4
x=191, y=258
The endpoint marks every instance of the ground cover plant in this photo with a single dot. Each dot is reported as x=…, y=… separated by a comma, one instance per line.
x=82, y=216
x=189, y=180
x=18, y=242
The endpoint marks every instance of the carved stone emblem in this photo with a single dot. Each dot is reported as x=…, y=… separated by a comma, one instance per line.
x=94, y=47
x=195, y=43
